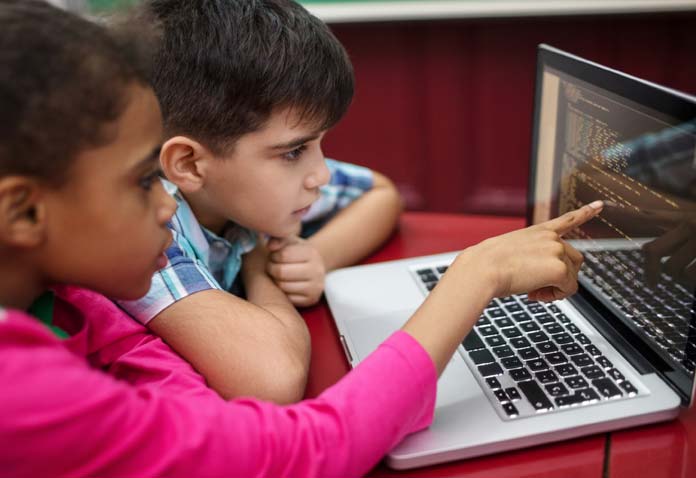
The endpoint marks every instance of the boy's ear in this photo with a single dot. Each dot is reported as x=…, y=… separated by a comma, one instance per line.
x=22, y=212
x=181, y=159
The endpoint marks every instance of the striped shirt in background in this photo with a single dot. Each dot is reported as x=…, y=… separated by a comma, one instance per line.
x=199, y=259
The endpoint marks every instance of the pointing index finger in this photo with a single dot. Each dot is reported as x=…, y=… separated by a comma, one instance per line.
x=570, y=220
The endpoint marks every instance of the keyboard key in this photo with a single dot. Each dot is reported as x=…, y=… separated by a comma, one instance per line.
x=529, y=326
x=503, y=351
x=538, y=337
x=566, y=370
x=504, y=322
x=483, y=320
x=480, y=357
x=528, y=354
x=513, y=307
x=554, y=328
x=587, y=394
x=535, y=395
x=442, y=269
x=563, y=338
x=430, y=285
x=582, y=360
x=573, y=329
x=494, y=340
x=490, y=370
x=425, y=272
x=604, y=362
x=582, y=338
x=511, y=332
x=513, y=393
x=510, y=410
x=536, y=308
x=556, y=389
x=555, y=358
x=537, y=365
x=487, y=330
x=547, y=376
x=593, y=350
x=511, y=362
x=473, y=341
x=521, y=317
x=568, y=400
x=562, y=318
x=592, y=372
x=546, y=347
x=545, y=318
x=495, y=312
x=616, y=375
x=493, y=382
x=576, y=382
x=519, y=342
x=428, y=277
x=606, y=387
x=572, y=349
x=628, y=388
x=519, y=374
x=501, y=395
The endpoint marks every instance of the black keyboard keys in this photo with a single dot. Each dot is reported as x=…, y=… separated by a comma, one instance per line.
x=607, y=388
x=473, y=341
x=535, y=395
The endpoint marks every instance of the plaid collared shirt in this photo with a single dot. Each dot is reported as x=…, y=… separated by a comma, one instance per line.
x=199, y=259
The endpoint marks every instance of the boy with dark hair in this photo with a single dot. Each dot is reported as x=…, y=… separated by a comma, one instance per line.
x=248, y=89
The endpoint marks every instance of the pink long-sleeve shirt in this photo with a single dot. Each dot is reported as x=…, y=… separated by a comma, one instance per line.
x=114, y=400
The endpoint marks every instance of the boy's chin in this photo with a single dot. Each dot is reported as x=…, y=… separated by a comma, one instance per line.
x=134, y=291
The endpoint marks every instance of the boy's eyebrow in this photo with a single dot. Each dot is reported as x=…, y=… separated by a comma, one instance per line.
x=295, y=142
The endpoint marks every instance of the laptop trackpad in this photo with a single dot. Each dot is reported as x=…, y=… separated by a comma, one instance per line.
x=365, y=335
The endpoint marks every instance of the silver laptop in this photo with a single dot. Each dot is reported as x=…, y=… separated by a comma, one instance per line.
x=622, y=351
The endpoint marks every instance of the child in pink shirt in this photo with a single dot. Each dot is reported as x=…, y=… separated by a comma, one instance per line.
x=88, y=391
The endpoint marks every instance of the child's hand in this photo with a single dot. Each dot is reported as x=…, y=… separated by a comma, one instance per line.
x=535, y=259
x=297, y=268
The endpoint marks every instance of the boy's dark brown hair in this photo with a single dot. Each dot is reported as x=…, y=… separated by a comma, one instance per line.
x=63, y=79
x=222, y=67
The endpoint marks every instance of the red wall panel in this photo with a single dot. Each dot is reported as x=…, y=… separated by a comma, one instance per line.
x=444, y=108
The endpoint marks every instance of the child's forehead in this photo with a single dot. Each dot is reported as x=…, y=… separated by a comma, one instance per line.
x=293, y=119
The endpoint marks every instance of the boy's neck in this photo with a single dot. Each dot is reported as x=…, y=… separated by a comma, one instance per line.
x=19, y=287
x=205, y=215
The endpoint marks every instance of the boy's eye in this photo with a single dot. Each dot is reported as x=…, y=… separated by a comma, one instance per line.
x=146, y=182
x=295, y=154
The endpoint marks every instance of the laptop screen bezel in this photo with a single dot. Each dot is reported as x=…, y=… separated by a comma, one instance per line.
x=672, y=103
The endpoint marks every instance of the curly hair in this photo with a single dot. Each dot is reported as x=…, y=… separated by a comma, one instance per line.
x=63, y=80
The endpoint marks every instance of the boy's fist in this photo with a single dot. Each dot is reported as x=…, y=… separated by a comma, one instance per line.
x=297, y=268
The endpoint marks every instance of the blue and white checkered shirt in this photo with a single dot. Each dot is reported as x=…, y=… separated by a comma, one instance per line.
x=199, y=259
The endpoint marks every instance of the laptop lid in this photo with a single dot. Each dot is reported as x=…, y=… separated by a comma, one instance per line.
x=601, y=134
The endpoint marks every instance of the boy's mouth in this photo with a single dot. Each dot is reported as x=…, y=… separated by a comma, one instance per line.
x=301, y=212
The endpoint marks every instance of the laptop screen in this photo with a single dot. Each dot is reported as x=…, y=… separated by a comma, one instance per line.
x=601, y=134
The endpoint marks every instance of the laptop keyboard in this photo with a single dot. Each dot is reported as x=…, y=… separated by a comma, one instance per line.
x=664, y=314
x=531, y=358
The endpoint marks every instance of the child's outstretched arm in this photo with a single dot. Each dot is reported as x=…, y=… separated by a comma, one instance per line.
x=358, y=229
x=535, y=260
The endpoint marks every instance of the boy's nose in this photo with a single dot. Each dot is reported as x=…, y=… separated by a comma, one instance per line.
x=320, y=174
x=167, y=207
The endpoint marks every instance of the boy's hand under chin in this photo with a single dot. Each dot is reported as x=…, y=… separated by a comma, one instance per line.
x=297, y=268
